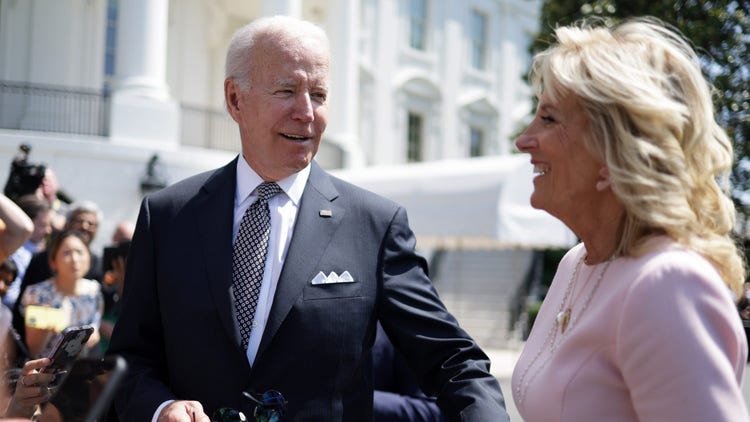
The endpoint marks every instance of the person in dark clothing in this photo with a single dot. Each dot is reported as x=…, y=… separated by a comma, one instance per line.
x=397, y=396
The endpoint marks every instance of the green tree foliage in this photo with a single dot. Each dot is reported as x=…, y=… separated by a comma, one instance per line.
x=720, y=31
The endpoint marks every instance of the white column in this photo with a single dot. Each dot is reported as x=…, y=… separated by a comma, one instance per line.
x=142, y=109
x=141, y=59
x=343, y=32
x=281, y=7
x=390, y=131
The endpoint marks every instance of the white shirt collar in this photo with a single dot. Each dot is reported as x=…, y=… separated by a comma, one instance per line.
x=248, y=180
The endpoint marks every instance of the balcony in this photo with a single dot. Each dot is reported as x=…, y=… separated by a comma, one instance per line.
x=51, y=108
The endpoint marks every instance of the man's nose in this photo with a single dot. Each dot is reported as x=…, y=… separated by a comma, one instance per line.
x=303, y=108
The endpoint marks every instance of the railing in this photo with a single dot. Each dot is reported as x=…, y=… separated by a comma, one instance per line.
x=50, y=108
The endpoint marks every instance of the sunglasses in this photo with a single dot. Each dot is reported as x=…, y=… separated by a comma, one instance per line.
x=269, y=407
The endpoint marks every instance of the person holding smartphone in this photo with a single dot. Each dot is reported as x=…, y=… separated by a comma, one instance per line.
x=66, y=299
x=30, y=390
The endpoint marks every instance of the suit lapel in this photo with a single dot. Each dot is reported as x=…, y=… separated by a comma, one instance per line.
x=214, y=215
x=312, y=233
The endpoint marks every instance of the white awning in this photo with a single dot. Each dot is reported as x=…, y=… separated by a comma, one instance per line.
x=467, y=203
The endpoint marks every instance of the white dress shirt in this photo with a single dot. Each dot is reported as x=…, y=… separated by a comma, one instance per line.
x=283, y=209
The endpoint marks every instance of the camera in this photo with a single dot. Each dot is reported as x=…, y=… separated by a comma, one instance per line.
x=25, y=177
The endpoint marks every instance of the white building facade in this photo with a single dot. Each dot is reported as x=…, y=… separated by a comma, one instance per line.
x=97, y=87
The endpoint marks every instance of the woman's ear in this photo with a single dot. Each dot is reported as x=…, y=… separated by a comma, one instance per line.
x=603, y=183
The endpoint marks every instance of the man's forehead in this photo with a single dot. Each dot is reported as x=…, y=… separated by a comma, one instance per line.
x=317, y=82
x=78, y=214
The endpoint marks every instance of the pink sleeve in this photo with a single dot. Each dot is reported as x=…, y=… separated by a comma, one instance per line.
x=680, y=343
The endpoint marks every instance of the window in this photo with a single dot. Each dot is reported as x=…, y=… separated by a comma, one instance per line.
x=110, y=43
x=476, y=142
x=418, y=24
x=414, y=138
x=478, y=40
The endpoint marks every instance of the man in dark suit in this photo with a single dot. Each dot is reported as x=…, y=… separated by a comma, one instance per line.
x=338, y=259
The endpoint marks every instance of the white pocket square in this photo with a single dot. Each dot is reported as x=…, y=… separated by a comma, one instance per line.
x=331, y=278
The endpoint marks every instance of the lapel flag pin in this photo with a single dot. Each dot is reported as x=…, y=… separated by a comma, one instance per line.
x=325, y=213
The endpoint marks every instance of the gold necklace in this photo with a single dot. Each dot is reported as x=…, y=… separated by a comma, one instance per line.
x=563, y=317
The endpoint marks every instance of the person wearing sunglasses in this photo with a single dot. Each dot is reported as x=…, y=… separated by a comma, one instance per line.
x=270, y=274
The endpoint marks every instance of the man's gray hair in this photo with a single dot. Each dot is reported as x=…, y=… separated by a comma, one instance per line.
x=85, y=206
x=240, y=52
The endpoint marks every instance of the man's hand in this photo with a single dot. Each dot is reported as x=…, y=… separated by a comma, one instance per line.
x=183, y=411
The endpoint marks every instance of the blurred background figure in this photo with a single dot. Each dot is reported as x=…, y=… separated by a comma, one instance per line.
x=25, y=177
x=74, y=299
x=49, y=190
x=83, y=217
x=397, y=396
x=123, y=232
x=39, y=212
x=114, y=260
x=28, y=178
x=15, y=227
x=12, y=353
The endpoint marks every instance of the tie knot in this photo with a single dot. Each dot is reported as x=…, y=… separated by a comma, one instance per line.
x=266, y=190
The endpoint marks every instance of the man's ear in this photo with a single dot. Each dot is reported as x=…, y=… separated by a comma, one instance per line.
x=232, y=97
x=603, y=183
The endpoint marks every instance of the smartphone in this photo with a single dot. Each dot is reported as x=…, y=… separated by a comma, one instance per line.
x=68, y=347
x=113, y=252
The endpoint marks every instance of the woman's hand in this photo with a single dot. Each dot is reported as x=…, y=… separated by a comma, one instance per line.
x=32, y=389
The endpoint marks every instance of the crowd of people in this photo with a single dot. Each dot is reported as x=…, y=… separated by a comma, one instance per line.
x=50, y=279
x=304, y=298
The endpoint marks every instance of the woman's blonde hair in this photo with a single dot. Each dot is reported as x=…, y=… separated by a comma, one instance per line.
x=653, y=124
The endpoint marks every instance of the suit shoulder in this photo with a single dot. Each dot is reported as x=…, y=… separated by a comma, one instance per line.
x=187, y=188
x=364, y=197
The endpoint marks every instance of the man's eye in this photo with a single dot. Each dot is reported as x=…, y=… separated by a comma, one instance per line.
x=321, y=97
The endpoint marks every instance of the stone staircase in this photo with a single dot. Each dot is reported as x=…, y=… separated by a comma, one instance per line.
x=480, y=288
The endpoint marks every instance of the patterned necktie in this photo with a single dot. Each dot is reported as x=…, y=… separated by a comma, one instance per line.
x=249, y=257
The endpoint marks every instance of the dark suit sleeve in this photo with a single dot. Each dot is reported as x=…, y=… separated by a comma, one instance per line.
x=446, y=360
x=138, y=333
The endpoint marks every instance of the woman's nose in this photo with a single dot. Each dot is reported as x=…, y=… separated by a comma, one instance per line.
x=525, y=142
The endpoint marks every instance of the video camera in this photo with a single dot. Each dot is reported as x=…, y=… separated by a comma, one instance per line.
x=25, y=177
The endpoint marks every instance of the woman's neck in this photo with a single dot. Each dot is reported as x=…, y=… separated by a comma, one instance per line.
x=65, y=286
x=601, y=233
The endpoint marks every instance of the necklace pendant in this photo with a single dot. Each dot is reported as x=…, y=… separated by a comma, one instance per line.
x=562, y=319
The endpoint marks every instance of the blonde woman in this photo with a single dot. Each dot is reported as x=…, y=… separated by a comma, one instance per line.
x=640, y=322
